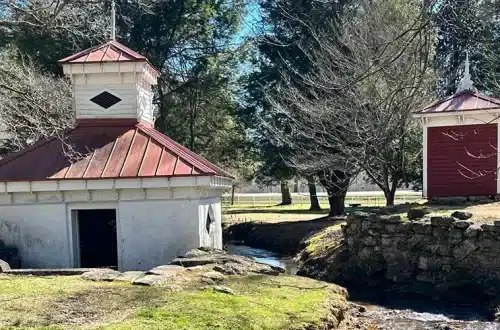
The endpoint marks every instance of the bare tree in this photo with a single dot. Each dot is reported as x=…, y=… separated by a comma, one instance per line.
x=354, y=111
x=34, y=105
x=34, y=102
x=63, y=15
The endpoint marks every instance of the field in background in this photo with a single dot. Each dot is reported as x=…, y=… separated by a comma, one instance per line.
x=367, y=198
x=264, y=207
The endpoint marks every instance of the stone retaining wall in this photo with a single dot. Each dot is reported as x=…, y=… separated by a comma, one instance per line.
x=443, y=252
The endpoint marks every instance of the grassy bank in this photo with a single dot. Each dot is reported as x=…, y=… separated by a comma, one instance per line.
x=259, y=302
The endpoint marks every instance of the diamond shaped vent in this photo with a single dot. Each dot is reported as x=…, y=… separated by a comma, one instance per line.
x=105, y=100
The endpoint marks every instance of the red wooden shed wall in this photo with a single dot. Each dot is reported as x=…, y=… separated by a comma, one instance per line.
x=462, y=160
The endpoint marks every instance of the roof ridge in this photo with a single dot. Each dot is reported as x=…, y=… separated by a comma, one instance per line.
x=125, y=52
x=126, y=49
x=80, y=53
x=488, y=98
x=476, y=94
x=437, y=102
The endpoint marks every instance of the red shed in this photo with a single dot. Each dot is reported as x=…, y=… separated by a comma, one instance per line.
x=460, y=139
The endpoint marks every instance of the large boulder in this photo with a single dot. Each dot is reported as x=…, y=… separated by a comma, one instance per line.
x=225, y=263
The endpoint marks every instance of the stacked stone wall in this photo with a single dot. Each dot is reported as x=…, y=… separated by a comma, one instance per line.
x=441, y=251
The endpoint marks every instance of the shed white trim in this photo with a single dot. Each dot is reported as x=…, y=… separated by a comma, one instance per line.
x=212, y=182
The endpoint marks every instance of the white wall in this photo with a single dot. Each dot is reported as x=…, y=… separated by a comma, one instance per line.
x=154, y=225
x=133, y=89
x=122, y=85
x=40, y=232
x=155, y=232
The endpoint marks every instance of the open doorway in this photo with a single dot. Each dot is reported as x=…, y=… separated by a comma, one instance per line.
x=97, y=239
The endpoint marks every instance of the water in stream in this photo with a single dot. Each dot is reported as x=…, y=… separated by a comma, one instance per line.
x=264, y=256
x=390, y=312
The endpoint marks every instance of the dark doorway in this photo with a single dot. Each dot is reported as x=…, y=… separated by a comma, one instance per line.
x=97, y=238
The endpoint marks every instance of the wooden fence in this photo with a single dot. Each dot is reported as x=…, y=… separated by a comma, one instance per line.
x=303, y=199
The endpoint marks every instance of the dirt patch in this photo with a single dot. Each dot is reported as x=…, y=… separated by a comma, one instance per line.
x=98, y=306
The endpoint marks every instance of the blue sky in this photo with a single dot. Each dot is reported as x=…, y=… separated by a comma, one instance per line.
x=251, y=21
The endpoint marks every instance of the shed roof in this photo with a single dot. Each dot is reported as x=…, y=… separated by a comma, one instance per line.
x=109, y=149
x=111, y=51
x=463, y=101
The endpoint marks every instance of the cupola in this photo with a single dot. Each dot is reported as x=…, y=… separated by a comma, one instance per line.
x=111, y=81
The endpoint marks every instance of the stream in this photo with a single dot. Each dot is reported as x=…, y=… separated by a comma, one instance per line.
x=387, y=311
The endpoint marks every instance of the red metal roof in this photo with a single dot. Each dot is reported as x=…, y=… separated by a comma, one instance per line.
x=106, y=150
x=464, y=101
x=111, y=51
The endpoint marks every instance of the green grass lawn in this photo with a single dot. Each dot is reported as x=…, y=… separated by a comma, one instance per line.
x=244, y=213
x=260, y=302
x=265, y=209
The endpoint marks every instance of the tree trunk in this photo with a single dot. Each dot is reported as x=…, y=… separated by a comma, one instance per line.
x=389, y=197
x=232, y=195
x=313, y=196
x=336, y=184
x=337, y=204
x=296, y=186
x=286, y=197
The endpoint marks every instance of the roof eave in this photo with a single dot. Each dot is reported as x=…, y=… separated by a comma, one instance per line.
x=421, y=114
x=193, y=181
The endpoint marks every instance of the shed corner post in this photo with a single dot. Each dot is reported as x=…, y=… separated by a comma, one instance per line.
x=424, y=158
x=498, y=157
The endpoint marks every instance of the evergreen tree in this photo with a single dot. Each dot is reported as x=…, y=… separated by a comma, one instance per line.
x=467, y=26
x=287, y=27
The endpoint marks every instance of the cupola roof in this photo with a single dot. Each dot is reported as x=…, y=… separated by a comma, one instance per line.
x=111, y=51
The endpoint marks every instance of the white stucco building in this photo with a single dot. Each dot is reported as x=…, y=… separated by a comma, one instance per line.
x=114, y=191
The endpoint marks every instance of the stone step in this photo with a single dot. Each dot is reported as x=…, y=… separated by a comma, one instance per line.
x=50, y=272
